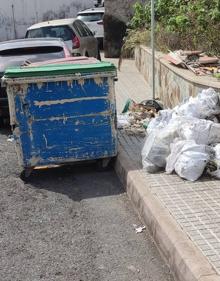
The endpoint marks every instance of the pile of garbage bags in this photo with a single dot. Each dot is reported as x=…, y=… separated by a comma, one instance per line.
x=186, y=139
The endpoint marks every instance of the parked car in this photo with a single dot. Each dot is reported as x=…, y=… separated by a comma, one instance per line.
x=18, y=52
x=78, y=37
x=93, y=18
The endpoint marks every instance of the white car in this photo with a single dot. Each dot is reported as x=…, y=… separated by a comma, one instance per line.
x=93, y=18
x=75, y=33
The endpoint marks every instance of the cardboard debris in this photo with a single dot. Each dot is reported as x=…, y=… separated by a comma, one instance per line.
x=196, y=61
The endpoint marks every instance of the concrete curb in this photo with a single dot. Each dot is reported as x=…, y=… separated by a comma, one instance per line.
x=185, y=260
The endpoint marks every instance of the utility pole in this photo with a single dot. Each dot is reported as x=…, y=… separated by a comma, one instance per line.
x=37, y=16
x=153, y=47
x=36, y=10
x=13, y=18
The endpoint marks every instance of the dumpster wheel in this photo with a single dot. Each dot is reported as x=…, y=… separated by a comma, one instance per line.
x=25, y=174
x=104, y=164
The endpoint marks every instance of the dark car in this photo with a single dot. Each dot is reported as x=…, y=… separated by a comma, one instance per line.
x=19, y=52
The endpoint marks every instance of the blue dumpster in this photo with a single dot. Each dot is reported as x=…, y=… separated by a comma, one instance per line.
x=62, y=113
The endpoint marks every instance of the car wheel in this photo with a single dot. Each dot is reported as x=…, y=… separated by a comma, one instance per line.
x=25, y=174
x=105, y=164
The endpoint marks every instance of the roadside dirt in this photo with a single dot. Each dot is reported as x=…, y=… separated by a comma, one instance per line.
x=70, y=223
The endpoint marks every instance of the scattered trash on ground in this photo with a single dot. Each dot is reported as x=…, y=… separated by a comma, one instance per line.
x=139, y=229
x=135, y=117
x=185, y=139
x=10, y=138
x=133, y=269
x=196, y=61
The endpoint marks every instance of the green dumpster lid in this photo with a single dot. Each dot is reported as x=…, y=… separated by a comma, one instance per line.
x=58, y=69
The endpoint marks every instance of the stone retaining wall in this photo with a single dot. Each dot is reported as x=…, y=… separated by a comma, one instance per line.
x=173, y=84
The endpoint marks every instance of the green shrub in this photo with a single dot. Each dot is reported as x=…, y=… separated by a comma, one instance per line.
x=133, y=38
x=181, y=24
x=142, y=16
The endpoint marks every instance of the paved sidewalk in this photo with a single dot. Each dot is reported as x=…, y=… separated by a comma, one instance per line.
x=131, y=84
x=195, y=207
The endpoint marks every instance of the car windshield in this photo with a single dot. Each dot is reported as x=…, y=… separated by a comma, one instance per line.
x=89, y=17
x=63, y=32
x=34, y=54
x=31, y=50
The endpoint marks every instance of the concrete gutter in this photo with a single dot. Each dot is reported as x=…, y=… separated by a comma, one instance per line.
x=186, y=261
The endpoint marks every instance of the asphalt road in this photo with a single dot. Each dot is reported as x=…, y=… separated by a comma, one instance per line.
x=70, y=223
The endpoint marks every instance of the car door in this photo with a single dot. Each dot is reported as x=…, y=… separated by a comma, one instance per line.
x=88, y=42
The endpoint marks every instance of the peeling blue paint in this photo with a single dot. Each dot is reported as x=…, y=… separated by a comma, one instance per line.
x=62, y=122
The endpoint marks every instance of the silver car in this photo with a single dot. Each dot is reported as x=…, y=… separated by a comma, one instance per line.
x=77, y=36
x=93, y=18
x=19, y=52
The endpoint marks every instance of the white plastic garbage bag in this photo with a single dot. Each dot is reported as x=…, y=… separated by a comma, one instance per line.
x=191, y=160
x=217, y=152
x=203, y=106
x=214, y=134
x=155, y=151
x=178, y=139
x=209, y=102
x=216, y=160
x=157, y=145
x=123, y=120
x=200, y=130
x=176, y=148
x=196, y=129
x=188, y=108
x=160, y=121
